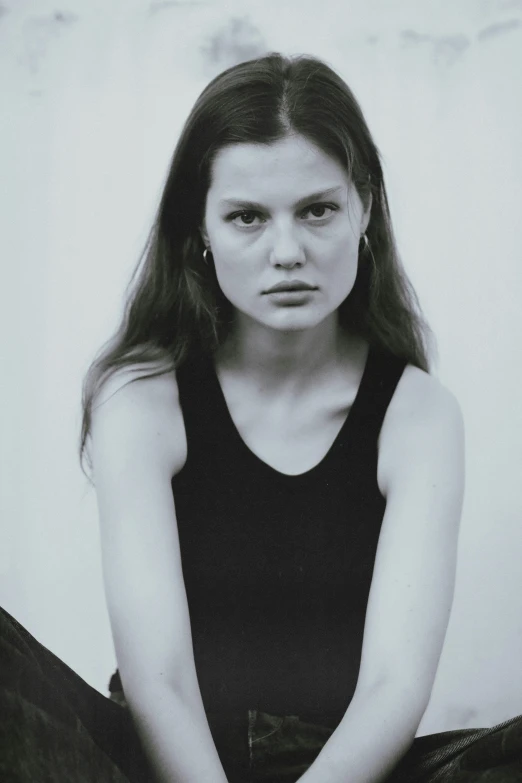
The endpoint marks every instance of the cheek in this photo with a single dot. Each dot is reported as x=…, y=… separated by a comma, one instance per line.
x=230, y=247
x=235, y=259
x=341, y=270
x=342, y=278
x=233, y=276
x=227, y=254
x=343, y=253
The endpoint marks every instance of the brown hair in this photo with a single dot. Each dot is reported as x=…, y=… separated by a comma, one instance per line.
x=174, y=304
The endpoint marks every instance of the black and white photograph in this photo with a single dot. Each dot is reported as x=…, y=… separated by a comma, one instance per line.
x=260, y=461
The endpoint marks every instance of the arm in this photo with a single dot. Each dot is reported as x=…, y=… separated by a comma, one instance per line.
x=138, y=443
x=421, y=475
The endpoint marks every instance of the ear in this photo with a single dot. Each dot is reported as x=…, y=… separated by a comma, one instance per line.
x=204, y=235
x=366, y=215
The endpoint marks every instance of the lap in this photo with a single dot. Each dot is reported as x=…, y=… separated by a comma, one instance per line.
x=282, y=748
x=53, y=720
x=489, y=755
x=56, y=727
x=37, y=746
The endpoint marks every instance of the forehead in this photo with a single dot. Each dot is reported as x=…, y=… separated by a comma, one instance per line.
x=287, y=167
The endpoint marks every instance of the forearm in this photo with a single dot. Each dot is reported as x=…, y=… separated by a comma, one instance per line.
x=176, y=736
x=375, y=732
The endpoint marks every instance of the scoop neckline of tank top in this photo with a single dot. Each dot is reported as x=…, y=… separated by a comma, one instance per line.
x=295, y=477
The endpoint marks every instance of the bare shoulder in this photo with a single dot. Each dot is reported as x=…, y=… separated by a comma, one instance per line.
x=139, y=416
x=421, y=399
x=423, y=419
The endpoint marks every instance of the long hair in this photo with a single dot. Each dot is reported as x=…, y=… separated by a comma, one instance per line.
x=174, y=305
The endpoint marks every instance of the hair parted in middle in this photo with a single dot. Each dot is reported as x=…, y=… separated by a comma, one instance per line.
x=174, y=304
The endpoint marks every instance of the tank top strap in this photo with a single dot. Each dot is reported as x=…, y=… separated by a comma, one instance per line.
x=198, y=398
x=204, y=410
x=381, y=375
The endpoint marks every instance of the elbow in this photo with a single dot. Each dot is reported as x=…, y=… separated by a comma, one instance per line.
x=156, y=702
x=414, y=699
x=404, y=701
x=145, y=690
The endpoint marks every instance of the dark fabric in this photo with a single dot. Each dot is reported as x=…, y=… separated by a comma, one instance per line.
x=282, y=748
x=278, y=568
x=54, y=728
x=489, y=755
x=285, y=564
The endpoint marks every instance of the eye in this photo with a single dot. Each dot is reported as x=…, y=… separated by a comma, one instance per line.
x=320, y=211
x=244, y=218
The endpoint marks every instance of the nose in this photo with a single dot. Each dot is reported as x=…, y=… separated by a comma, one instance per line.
x=287, y=251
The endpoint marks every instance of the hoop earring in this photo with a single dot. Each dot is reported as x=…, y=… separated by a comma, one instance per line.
x=206, y=252
x=367, y=247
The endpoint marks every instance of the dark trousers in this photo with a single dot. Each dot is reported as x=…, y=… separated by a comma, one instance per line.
x=54, y=728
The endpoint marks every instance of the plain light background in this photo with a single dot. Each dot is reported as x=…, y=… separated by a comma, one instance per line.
x=93, y=98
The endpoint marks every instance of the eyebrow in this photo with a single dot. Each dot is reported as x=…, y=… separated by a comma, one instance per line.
x=320, y=194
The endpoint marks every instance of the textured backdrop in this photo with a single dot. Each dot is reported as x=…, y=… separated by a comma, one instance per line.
x=93, y=97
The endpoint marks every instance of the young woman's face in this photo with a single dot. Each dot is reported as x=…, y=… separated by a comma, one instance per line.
x=283, y=222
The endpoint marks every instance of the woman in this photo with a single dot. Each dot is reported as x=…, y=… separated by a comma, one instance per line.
x=282, y=474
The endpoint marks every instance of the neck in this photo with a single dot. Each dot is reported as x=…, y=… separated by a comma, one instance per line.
x=278, y=357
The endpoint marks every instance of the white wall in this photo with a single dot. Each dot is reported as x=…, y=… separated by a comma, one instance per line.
x=93, y=98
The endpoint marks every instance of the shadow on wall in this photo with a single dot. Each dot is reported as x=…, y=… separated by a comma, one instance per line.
x=237, y=41
x=499, y=29
x=39, y=35
x=445, y=49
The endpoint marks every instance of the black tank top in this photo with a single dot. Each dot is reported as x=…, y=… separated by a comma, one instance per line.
x=277, y=568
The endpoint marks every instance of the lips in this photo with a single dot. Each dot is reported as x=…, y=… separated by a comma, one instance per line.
x=290, y=285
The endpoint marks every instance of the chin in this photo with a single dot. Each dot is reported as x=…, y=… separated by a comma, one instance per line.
x=294, y=320
x=284, y=319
